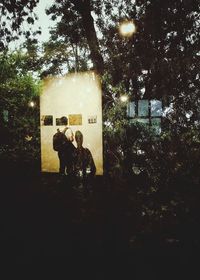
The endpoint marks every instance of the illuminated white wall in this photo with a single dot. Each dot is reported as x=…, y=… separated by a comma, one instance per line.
x=71, y=95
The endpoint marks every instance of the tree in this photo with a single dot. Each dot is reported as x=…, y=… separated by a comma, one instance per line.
x=160, y=60
x=13, y=13
x=20, y=126
x=77, y=26
x=59, y=57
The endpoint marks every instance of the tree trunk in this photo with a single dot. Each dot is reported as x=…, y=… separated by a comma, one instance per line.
x=84, y=9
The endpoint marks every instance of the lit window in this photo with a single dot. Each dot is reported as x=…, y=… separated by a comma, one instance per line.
x=147, y=112
x=143, y=108
x=156, y=108
x=156, y=125
x=131, y=109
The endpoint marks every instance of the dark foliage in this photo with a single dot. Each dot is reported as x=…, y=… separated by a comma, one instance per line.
x=20, y=129
x=13, y=14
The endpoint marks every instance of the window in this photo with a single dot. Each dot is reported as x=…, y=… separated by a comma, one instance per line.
x=143, y=108
x=156, y=108
x=147, y=112
x=131, y=109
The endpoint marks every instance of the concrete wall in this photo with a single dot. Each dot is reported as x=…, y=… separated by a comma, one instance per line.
x=74, y=94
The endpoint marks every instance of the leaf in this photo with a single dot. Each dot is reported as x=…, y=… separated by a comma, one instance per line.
x=30, y=20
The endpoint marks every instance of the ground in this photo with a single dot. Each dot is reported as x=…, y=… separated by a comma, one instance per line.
x=103, y=232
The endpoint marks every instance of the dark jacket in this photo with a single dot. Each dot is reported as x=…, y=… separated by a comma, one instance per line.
x=84, y=162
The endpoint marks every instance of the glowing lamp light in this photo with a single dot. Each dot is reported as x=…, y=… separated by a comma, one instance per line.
x=31, y=104
x=124, y=98
x=127, y=28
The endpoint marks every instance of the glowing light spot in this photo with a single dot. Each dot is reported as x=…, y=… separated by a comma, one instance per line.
x=108, y=124
x=127, y=28
x=124, y=98
x=31, y=104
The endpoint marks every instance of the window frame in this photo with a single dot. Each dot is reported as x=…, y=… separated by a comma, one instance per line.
x=149, y=116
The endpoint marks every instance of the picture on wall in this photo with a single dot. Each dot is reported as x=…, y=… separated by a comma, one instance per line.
x=62, y=121
x=92, y=119
x=75, y=119
x=47, y=120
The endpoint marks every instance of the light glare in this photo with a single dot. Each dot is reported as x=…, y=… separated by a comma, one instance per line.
x=124, y=98
x=31, y=104
x=127, y=28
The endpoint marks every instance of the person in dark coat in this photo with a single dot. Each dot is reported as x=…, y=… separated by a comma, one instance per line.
x=59, y=140
x=69, y=152
x=62, y=143
x=84, y=164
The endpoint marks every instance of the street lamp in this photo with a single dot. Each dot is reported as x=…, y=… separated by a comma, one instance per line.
x=124, y=98
x=32, y=104
x=127, y=28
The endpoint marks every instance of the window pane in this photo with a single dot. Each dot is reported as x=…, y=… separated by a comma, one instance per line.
x=156, y=108
x=131, y=110
x=141, y=121
x=143, y=108
x=156, y=125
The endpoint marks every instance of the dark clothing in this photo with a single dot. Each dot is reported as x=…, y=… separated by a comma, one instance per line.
x=68, y=155
x=84, y=162
x=59, y=138
x=61, y=157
